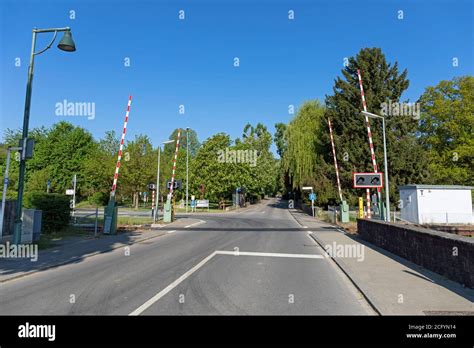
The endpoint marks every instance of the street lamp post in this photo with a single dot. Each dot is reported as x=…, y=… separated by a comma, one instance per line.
x=187, y=166
x=156, y=215
x=66, y=44
x=387, y=192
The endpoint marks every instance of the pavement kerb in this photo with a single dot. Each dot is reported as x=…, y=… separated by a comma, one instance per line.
x=340, y=264
x=61, y=263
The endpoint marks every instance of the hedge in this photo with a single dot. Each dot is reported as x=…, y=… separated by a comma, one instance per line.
x=55, y=207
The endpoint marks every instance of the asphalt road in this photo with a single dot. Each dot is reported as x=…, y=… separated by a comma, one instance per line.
x=276, y=269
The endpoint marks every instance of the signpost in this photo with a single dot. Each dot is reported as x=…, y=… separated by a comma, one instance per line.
x=367, y=181
x=306, y=188
x=74, y=183
x=202, y=203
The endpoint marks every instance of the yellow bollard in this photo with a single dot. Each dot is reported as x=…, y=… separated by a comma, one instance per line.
x=361, y=208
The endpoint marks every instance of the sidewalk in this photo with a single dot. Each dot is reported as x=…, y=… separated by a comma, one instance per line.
x=393, y=285
x=76, y=249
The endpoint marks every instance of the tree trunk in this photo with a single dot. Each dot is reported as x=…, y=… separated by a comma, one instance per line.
x=136, y=200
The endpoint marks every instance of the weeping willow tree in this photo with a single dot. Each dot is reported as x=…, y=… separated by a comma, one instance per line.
x=302, y=157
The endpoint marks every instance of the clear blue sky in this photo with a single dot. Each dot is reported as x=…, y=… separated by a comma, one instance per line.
x=190, y=62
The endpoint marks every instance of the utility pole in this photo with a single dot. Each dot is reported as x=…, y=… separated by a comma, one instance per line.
x=387, y=186
x=74, y=181
x=187, y=167
x=156, y=215
x=157, y=186
x=66, y=44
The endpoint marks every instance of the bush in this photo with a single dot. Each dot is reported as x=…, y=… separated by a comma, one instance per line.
x=55, y=207
x=99, y=198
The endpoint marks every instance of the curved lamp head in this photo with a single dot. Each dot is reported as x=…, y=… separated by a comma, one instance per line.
x=67, y=43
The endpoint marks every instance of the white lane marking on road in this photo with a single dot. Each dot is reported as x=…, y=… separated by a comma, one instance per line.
x=196, y=223
x=310, y=232
x=171, y=231
x=251, y=253
x=305, y=226
x=170, y=287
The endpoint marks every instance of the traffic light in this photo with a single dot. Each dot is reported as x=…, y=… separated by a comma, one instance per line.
x=368, y=180
x=176, y=185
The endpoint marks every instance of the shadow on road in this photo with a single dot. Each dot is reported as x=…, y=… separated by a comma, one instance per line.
x=72, y=250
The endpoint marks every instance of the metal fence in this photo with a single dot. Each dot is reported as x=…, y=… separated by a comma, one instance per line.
x=83, y=221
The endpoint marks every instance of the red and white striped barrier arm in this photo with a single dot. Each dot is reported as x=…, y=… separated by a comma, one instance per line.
x=335, y=159
x=117, y=167
x=371, y=144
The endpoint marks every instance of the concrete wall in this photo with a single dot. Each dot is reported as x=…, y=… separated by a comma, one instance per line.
x=444, y=253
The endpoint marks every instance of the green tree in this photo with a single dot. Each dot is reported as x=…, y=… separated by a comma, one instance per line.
x=62, y=153
x=259, y=179
x=217, y=177
x=139, y=170
x=302, y=159
x=58, y=154
x=447, y=128
x=279, y=138
x=382, y=83
x=99, y=166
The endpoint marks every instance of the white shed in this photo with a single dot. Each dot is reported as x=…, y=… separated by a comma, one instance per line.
x=436, y=204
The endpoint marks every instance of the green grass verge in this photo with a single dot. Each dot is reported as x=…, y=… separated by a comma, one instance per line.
x=53, y=239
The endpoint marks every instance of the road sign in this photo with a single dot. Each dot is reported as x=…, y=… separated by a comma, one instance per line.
x=70, y=192
x=202, y=203
x=312, y=196
x=152, y=187
x=368, y=180
x=307, y=188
